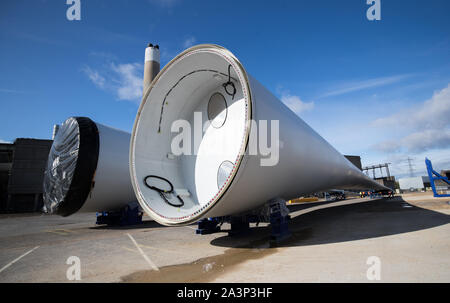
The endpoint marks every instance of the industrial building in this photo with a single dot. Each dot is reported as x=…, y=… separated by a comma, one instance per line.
x=6, y=158
x=355, y=160
x=387, y=181
x=22, y=166
x=414, y=183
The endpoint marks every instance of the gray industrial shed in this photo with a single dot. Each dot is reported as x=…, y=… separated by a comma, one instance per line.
x=22, y=177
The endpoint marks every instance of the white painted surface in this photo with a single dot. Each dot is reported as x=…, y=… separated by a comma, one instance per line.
x=113, y=187
x=152, y=54
x=408, y=183
x=143, y=254
x=18, y=258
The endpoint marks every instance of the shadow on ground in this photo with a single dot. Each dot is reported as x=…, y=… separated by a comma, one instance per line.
x=144, y=224
x=329, y=225
x=352, y=222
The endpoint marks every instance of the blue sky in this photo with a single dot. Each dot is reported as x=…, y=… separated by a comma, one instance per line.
x=379, y=89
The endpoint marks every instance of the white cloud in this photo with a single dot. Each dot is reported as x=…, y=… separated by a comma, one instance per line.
x=129, y=82
x=296, y=104
x=427, y=126
x=3, y=141
x=189, y=42
x=417, y=142
x=360, y=85
x=94, y=76
x=124, y=80
x=426, y=140
x=388, y=146
x=433, y=113
x=11, y=91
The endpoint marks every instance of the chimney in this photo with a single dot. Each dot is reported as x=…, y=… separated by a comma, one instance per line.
x=151, y=67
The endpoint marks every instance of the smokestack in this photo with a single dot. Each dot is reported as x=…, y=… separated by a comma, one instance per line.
x=151, y=67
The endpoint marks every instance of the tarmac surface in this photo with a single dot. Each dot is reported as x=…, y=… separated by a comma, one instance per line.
x=409, y=237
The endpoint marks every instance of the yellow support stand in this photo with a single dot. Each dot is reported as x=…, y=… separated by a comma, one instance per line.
x=302, y=200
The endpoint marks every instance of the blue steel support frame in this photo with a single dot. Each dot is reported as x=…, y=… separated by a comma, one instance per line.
x=434, y=175
x=241, y=224
x=130, y=214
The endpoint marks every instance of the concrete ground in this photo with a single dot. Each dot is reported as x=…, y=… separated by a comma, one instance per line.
x=331, y=242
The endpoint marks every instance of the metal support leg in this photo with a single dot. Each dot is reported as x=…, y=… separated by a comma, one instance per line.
x=36, y=203
x=434, y=176
x=279, y=220
x=239, y=225
x=275, y=212
x=131, y=214
x=208, y=226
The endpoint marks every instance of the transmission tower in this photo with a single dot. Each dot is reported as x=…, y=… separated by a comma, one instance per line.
x=411, y=168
